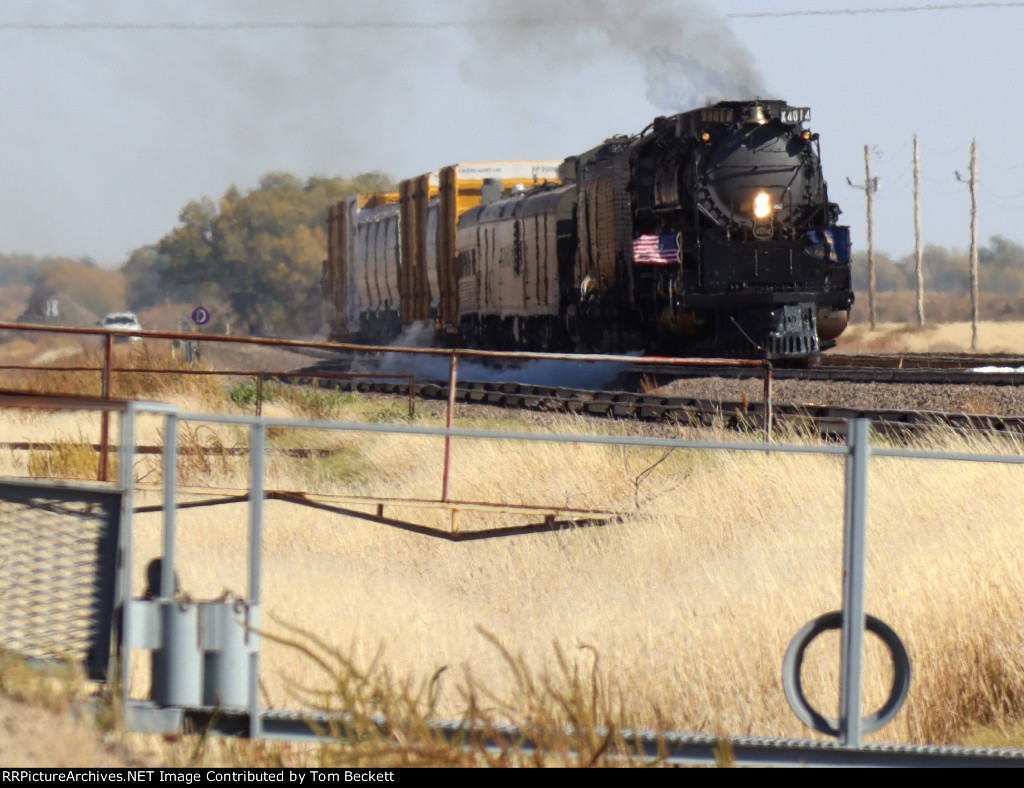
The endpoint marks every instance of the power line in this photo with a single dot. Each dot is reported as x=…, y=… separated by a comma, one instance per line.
x=906, y=9
x=227, y=26
x=445, y=24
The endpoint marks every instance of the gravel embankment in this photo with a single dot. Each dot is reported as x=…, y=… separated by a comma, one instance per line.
x=988, y=400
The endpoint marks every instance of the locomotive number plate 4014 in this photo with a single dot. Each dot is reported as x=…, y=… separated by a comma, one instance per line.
x=796, y=115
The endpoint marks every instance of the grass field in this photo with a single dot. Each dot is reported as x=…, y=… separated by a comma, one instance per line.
x=674, y=617
x=993, y=337
x=684, y=609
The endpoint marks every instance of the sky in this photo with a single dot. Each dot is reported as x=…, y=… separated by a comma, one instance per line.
x=116, y=113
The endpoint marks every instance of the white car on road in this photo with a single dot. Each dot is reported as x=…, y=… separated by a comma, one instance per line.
x=122, y=321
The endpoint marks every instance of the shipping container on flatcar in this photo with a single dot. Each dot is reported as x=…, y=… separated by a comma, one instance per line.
x=392, y=257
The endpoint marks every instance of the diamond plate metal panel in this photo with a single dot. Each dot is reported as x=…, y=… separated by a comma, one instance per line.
x=58, y=554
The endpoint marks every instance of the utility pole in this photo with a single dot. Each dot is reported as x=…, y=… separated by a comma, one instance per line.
x=870, y=187
x=974, y=245
x=918, y=246
x=973, y=182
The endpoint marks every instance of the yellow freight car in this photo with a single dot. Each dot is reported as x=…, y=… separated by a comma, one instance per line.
x=392, y=258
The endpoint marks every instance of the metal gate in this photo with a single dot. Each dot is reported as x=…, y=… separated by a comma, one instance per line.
x=58, y=557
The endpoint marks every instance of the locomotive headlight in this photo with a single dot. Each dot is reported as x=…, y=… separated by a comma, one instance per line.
x=762, y=205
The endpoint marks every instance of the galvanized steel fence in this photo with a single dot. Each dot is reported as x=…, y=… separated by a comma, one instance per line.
x=207, y=654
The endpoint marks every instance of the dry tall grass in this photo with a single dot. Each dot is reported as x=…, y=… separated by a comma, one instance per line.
x=682, y=611
x=892, y=337
x=154, y=372
x=679, y=614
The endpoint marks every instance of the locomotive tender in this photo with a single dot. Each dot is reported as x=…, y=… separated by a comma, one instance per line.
x=710, y=233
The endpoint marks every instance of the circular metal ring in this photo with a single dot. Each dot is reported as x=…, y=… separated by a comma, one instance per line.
x=794, y=660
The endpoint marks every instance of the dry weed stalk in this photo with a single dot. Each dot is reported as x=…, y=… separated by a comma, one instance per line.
x=568, y=718
x=68, y=459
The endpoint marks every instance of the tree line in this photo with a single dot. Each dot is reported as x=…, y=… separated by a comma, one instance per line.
x=1000, y=270
x=256, y=256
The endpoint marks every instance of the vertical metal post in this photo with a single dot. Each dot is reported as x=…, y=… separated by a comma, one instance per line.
x=259, y=395
x=108, y=362
x=854, y=551
x=453, y=379
x=768, y=374
x=124, y=584
x=167, y=588
x=257, y=447
x=412, y=397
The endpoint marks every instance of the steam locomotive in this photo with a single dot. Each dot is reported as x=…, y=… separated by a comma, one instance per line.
x=710, y=233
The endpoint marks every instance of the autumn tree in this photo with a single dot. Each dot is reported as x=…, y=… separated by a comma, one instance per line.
x=1001, y=266
x=889, y=274
x=259, y=251
x=84, y=291
x=143, y=277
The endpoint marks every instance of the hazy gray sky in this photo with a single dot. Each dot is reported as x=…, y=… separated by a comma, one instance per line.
x=118, y=112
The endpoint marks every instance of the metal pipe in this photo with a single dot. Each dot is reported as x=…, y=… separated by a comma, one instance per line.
x=768, y=374
x=453, y=381
x=167, y=589
x=122, y=655
x=108, y=363
x=377, y=349
x=256, y=496
x=259, y=395
x=854, y=551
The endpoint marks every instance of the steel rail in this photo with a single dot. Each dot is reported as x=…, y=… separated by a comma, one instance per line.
x=643, y=746
x=1013, y=376
x=733, y=414
x=919, y=360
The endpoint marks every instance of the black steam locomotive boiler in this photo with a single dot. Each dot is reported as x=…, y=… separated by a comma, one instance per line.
x=710, y=233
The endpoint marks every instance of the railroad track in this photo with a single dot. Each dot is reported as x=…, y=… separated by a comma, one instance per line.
x=922, y=360
x=827, y=420
x=955, y=369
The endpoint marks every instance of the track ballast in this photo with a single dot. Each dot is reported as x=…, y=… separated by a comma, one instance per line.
x=745, y=409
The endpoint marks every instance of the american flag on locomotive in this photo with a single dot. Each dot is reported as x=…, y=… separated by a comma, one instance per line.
x=657, y=249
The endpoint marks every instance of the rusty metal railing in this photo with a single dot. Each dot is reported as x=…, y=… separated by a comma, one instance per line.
x=453, y=354
x=259, y=376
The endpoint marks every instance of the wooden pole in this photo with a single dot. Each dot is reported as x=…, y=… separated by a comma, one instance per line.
x=974, y=245
x=918, y=246
x=869, y=189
